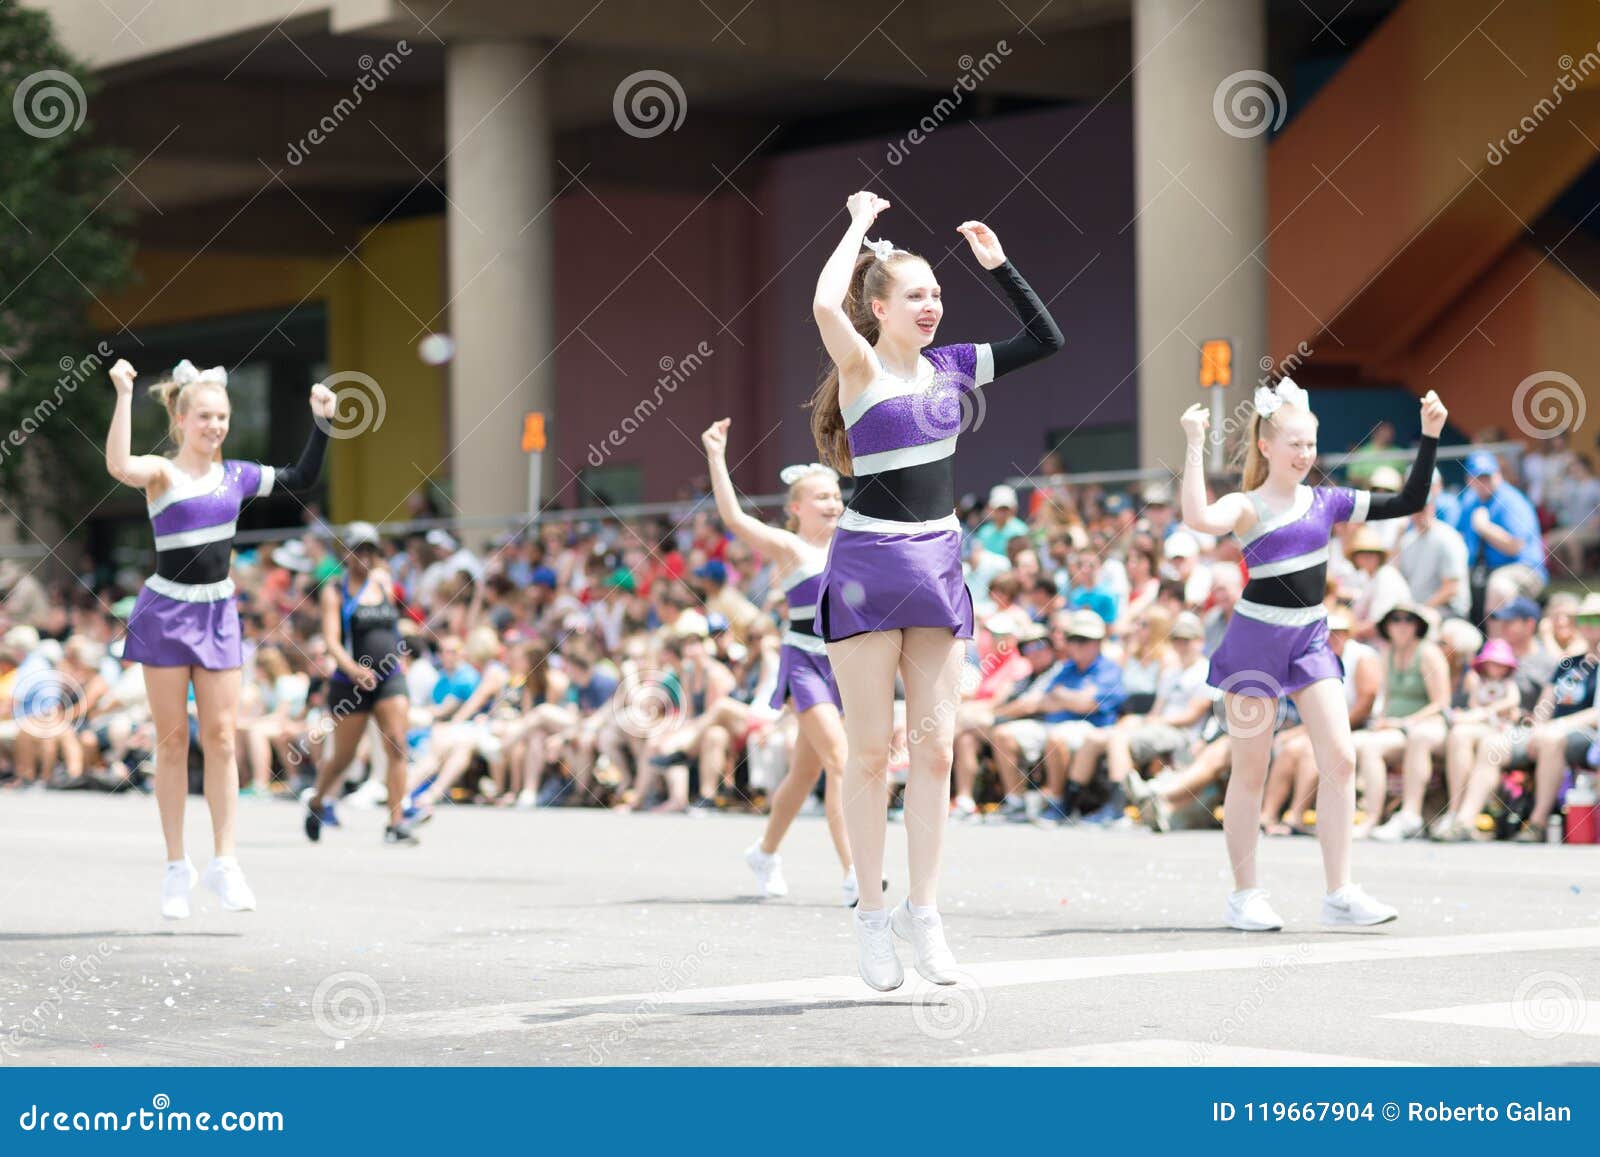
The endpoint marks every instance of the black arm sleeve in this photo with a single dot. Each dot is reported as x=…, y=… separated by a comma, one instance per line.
x=1039, y=337
x=1413, y=495
x=303, y=474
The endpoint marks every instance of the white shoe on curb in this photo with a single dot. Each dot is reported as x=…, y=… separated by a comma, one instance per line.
x=879, y=965
x=933, y=959
x=1351, y=905
x=226, y=879
x=1249, y=911
x=768, y=870
x=175, y=887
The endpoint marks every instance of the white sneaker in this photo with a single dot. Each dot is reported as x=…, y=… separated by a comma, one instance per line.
x=175, y=888
x=1351, y=905
x=926, y=937
x=963, y=809
x=1400, y=826
x=1153, y=809
x=879, y=965
x=768, y=870
x=526, y=800
x=1249, y=911
x=851, y=889
x=226, y=879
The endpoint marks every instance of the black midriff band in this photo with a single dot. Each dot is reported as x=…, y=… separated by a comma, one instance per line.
x=1301, y=588
x=911, y=494
x=207, y=563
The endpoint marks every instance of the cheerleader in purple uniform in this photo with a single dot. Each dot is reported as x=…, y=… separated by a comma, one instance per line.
x=892, y=600
x=804, y=676
x=185, y=623
x=1277, y=640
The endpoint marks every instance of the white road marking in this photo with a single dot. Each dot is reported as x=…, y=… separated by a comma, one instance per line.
x=1140, y=1053
x=1540, y=1022
x=1260, y=954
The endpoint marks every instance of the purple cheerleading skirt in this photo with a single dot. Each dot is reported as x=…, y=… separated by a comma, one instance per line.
x=164, y=632
x=881, y=581
x=806, y=679
x=1265, y=660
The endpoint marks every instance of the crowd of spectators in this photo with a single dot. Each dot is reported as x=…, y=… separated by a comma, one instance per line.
x=627, y=663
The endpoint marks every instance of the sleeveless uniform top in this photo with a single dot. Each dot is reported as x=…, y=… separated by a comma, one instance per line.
x=800, y=588
x=194, y=524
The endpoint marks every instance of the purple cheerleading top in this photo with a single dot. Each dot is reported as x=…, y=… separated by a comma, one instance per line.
x=1287, y=553
x=194, y=523
x=801, y=587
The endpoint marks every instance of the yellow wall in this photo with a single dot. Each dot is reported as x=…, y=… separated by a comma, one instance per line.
x=378, y=307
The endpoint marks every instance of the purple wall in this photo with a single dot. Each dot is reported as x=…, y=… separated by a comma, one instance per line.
x=754, y=274
x=953, y=175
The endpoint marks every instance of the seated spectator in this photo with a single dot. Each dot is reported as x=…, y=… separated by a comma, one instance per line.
x=1491, y=705
x=1410, y=724
x=1002, y=524
x=1087, y=591
x=1143, y=586
x=1558, y=630
x=1170, y=731
x=1375, y=586
x=1575, y=503
x=1432, y=558
x=1021, y=668
x=1089, y=693
x=1501, y=530
x=1183, y=563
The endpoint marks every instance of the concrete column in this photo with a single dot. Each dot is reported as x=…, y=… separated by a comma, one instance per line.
x=1200, y=185
x=502, y=308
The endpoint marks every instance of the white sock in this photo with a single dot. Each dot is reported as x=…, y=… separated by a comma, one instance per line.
x=929, y=915
x=877, y=918
x=1012, y=797
x=178, y=863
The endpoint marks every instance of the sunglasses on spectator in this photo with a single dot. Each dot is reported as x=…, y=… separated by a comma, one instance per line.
x=1081, y=639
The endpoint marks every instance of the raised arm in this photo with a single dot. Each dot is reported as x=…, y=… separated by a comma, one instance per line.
x=848, y=349
x=1413, y=496
x=1040, y=336
x=1214, y=518
x=774, y=542
x=121, y=463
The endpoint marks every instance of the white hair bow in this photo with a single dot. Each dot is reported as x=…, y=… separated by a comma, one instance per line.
x=1268, y=400
x=185, y=372
x=881, y=249
x=789, y=475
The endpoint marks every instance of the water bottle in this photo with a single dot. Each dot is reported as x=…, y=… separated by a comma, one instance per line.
x=1552, y=829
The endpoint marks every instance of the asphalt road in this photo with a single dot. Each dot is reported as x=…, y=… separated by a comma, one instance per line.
x=579, y=937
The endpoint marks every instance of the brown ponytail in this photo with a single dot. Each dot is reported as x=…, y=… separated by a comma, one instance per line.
x=870, y=280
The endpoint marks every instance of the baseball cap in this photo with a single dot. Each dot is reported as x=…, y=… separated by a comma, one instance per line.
x=1001, y=624
x=1116, y=503
x=1086, y=625
x=1182, y=545
x=1158, y=494
x=543, y=576
x=1386, y=478
x=716, y=570
x=359, y=534
x=1002, y=495
x=442, y=539
x=1521, y=607
x=1188, y=626
x=1480, y=463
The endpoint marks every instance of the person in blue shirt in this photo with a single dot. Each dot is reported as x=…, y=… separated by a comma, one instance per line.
x=1501, y=530
x=458, y=679
x=1002, y=524
x=1090, y=693
x=1089, y=590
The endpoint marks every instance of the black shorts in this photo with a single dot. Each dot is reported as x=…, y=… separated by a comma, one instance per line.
x=346, y=698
